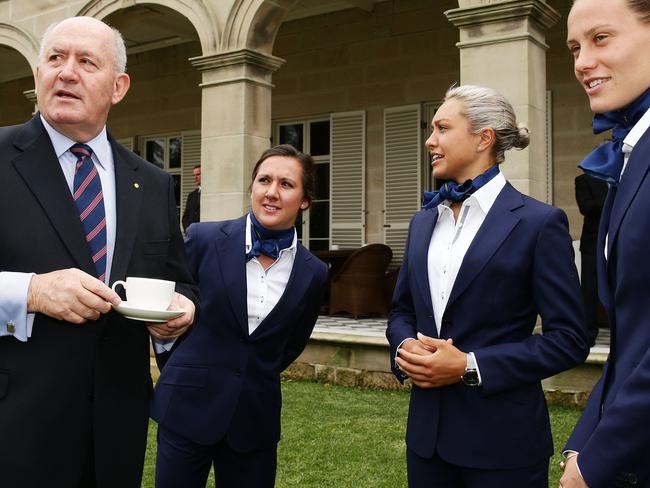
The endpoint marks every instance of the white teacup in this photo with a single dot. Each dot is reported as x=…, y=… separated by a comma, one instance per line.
x=147, y=293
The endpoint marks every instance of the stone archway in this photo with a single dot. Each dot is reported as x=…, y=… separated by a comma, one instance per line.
x=20, y=40
x=236, y=102
x=200, y=15
x=253, y=24
x=19, y=57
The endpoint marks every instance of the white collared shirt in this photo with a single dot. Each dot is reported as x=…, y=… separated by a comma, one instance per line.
x=629, y=142
x=451, y=239
x=449, y=243
x=15, y=285
x=103, y=159
x=265, y=287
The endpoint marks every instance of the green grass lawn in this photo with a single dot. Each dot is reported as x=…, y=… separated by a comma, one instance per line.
x=347, y=437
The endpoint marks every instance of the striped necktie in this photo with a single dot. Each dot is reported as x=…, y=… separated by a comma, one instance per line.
x=89, y=198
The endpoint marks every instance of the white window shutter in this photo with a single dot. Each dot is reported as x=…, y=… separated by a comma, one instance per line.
x=402, y=156
x=191, y=156
x=347, y=179
x=127, y=142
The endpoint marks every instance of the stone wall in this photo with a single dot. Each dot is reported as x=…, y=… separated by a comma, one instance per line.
x=402, y=53
x=165, y=95
x=14, y=107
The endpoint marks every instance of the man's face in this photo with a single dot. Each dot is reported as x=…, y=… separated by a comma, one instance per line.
x=609, y=44
x=197, y=176
x=76, y=80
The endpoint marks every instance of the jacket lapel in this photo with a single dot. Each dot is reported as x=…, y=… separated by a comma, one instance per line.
x=604, y=292
x=232, y=263
x=419, y=247
x=496, y=227
x=635, y=172
x=299, y=281
x=40, y=169
x=128, y=194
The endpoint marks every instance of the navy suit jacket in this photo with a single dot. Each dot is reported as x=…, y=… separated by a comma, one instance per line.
x=221, y=381
x=612, y=434
x=48, y=418
x=519, y=265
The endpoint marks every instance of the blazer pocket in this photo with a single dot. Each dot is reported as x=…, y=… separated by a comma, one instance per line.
x=155, y=248
x=4, y=383
x=192, y=376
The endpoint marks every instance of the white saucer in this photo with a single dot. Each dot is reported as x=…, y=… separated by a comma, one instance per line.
x=146, y=315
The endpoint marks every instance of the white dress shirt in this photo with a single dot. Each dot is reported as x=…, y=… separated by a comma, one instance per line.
x=14, y=319
x=265, y=287
x=451, y=239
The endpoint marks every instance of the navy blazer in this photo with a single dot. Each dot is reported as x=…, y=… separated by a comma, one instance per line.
x=520, y=264
x=612, y=434
x=221, y=381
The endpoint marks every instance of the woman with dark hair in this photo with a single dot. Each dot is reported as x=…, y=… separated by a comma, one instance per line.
x=482, y=262
x=218, y=399
x=609, y=42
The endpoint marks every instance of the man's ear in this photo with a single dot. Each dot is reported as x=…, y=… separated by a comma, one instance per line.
x=120, y=87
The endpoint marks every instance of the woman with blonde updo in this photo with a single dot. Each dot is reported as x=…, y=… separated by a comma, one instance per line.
x=482, y=261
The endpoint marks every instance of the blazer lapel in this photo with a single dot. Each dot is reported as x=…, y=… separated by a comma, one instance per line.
x=42, y=172
x=420, y=240
x=128, y=204
x=496, y=227
x=604, y=291
x=232, y=263
x=635, y=172
x=299, y=281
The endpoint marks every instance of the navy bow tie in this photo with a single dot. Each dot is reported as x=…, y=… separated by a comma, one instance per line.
x=267, y=241
x=606, y=161
x=455, y=192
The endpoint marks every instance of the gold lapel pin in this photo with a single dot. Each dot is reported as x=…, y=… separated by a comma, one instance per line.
x=136, y=185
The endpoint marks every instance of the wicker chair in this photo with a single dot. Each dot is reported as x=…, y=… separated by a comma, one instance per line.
x=358, y=287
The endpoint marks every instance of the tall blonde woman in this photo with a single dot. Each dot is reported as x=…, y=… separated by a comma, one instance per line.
x=218, y=399
x=482, y=261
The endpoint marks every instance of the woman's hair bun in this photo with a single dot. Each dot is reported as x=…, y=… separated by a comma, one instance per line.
x=523, y=137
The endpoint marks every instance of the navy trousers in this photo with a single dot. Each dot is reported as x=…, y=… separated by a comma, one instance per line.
x=181, y=462
x=436, y=473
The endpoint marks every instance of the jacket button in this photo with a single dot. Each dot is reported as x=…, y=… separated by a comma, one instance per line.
x=446, y=323
x=238, y=371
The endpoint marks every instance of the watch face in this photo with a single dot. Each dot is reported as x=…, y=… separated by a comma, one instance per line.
x=470, y=377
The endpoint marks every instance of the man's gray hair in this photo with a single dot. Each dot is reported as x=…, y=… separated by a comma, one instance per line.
x=486, y=108
x=119, y=47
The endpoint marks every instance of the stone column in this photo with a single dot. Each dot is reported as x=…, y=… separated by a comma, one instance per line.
x=503, y=46
x=31, y=96
x=235, y=126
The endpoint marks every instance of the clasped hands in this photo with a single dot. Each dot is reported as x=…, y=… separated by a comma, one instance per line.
x=77, y=297
x=571, y=477
x=431, y=363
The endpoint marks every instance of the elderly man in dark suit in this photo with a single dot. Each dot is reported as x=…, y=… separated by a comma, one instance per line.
x=79, y=213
